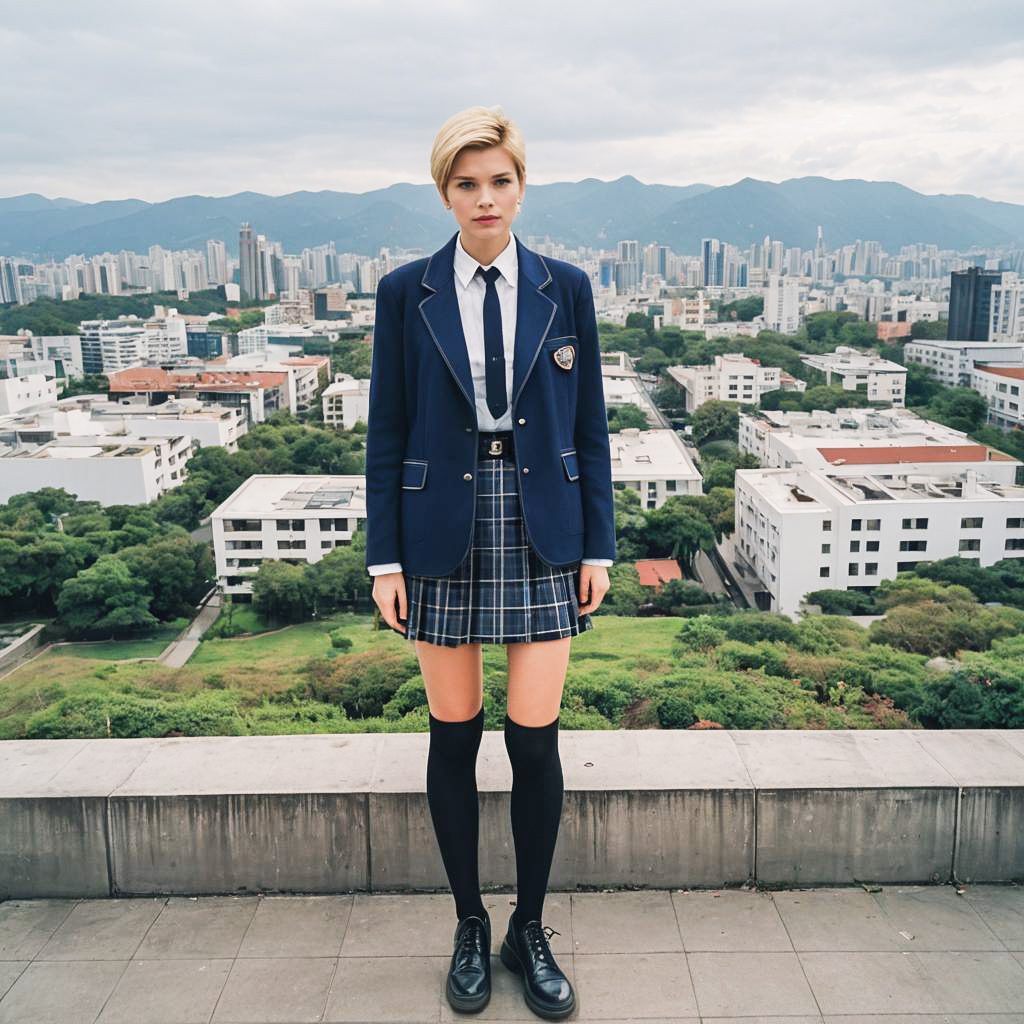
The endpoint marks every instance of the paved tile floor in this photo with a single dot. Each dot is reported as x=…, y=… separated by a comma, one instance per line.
x=902, y=955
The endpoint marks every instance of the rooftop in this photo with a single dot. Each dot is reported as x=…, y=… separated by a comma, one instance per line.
x=1013, y=372
x=268, y=494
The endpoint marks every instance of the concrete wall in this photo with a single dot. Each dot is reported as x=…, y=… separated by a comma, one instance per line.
x=652, y=808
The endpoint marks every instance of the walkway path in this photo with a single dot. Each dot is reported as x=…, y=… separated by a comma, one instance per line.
x=800, y=956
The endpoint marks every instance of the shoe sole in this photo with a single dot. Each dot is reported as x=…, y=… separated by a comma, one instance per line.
x=511, y=961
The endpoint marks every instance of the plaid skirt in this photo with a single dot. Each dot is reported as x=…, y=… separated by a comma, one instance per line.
x=501, y=592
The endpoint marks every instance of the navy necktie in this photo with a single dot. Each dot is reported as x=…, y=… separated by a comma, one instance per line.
x=494, y=346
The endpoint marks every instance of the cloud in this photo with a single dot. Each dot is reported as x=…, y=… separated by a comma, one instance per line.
x=111, y=99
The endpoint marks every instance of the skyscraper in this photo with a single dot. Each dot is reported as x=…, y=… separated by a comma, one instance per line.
x=970, y=303
x=248, y=263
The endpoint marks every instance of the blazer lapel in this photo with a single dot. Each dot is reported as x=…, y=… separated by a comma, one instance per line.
x=440, y=312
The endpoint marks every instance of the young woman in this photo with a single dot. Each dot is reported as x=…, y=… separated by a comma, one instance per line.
x=489, y=519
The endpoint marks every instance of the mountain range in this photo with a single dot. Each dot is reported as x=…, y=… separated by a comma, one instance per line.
x=588, y=212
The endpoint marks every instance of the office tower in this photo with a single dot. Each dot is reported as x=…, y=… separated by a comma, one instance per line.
x=712, y=256
x=970, y=303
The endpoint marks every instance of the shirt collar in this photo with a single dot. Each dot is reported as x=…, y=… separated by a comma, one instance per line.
x=507, y=261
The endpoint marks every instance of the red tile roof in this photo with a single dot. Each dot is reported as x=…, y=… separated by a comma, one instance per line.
x=1014, y=372
x=145, y=378
x=654, y=572
x=907, y=453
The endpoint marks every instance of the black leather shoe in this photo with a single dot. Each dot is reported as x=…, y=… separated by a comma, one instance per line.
x=469, y=973
x=525, y=951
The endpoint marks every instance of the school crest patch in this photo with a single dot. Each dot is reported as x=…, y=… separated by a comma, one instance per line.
x=564, y=356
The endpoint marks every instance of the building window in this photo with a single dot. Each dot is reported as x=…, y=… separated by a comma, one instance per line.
x=853, y=569
x=913, y=545
x=1014, y=524
x=826, y=525
x=826, y=549
x=855, y=545
x=870, y=568
x=855, y=524
x=971, y=544
x=874, y=524
x=915, y=524
x=971, y=523
x=823, y=571
x=1014, y=544
x=871, y=545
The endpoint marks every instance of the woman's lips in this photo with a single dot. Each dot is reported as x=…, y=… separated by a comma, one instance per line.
x=486, y=220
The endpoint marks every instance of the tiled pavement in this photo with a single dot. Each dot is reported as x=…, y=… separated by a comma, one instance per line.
x=903, y=955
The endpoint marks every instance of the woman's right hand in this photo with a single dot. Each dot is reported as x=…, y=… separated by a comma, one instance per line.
x=386, y=587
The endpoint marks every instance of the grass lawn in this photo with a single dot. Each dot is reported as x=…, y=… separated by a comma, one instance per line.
x=276, y=660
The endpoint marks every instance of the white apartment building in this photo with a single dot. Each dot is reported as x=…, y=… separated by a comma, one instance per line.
x=622, y=386
x=256, y=339
x=17, y=393
x=867, y=441
x=1001, y=386
x=879, y=379
x=167, y=337
x=112, y=345
x=782, y=304
x=654, y=463
x=802, y=530
x=303, y=371
x=346, y=400
x=121, y=470
x=1006, y=314
x=953, y=361
x=291, y=518
x=731, y=378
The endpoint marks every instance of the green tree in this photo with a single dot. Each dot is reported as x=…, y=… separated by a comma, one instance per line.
x=715, y=420
x=281, y=592
x=106, y=600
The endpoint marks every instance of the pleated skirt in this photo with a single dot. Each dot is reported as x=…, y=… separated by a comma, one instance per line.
x=501, y=592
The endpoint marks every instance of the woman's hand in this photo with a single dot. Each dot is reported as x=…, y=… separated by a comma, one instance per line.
x=386, y=587
x=593, y=586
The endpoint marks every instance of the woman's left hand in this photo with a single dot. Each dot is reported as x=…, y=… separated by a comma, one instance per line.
x=593, y=586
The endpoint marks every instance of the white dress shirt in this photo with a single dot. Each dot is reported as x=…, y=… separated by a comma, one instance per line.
x=470, y=290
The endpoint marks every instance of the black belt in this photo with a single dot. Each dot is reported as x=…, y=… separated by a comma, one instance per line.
x=497, y=444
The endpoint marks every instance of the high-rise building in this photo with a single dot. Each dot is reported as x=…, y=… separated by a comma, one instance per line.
x=970, y=303
x=712, y=255
x=248, y=263
x=216, y=262
x=782, y=304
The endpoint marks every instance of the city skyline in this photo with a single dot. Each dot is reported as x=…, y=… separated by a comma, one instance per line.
x=215, y=100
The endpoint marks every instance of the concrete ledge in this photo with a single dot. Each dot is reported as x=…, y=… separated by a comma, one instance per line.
x=652, y=808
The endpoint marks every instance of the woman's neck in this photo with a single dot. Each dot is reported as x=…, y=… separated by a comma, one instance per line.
x=485, y=252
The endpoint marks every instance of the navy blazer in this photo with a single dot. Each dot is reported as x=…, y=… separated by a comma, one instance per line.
x=422, y=432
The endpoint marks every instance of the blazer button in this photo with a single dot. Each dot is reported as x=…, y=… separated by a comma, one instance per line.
x=467, y=476
x=526, y=469
x=522, y=421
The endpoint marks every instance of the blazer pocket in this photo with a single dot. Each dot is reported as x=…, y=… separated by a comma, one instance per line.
x=572, y=469
x=565, y=339
x=414, y=473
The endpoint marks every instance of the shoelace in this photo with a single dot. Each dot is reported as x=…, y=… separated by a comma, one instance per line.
x=538, y=939
x=472, y=940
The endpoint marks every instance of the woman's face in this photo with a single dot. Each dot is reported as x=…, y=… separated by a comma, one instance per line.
x=484, y=184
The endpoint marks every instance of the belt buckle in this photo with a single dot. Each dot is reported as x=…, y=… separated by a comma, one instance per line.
x=496, y=446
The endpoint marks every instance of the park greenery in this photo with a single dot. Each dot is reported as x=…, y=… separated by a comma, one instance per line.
x=306, y=655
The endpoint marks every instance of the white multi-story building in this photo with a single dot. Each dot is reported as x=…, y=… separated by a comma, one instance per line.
x=1006, y=314
x=731, y=378
x=346, y=400
x=122, y=470
x=112, y=345
x=782, y=304
x=1001, y=386
x=17, y=393
x=881, y=380
x=953, y=361
x=654, y=463
x=867, y=441
x=291, y=518
x=802, y=530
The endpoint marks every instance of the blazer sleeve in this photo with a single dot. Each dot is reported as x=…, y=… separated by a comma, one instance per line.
x=386, y=430
x=593, y=449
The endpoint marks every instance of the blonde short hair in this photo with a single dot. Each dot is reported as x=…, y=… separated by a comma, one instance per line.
x=474, y=128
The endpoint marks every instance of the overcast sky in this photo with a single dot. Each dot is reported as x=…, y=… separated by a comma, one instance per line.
x=109, y=100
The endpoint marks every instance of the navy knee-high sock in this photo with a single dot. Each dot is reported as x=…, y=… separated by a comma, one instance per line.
x=454, y=805
x=537, y=790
